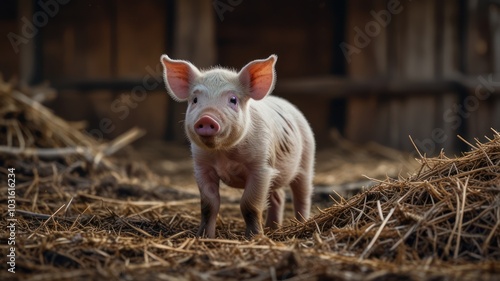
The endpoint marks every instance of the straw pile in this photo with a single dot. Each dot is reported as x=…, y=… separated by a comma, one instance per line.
x=449, y=210
x=83, y=215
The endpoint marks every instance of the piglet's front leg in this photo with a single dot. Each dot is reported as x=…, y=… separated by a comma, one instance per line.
x=254, y=200
x=208, y=183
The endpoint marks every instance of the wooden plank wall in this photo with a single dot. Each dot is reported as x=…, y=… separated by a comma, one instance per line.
x=300, y=33
x=449, y=45
x=482, y=60
x=194, y=40
x=494, y=115
x=9, y=58
x=368, y=118
x=95, y=41
x=103, y=40
x=422, y=43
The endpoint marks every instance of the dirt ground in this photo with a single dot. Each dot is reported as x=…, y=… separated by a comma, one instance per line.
x=137, y=222
x=342, y=168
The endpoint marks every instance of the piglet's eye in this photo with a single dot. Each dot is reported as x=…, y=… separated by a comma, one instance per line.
x=195, y=100
x=233, y=100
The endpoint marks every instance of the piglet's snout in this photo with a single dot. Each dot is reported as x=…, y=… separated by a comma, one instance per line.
x=206, y=126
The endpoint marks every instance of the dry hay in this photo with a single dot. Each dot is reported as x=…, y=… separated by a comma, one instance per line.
x=83, y=215
x=449, y=210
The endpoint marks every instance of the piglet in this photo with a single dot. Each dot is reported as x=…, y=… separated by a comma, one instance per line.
x=244, y=137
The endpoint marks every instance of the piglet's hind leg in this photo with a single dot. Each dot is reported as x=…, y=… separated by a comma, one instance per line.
x=276, y=208
x=302, y=191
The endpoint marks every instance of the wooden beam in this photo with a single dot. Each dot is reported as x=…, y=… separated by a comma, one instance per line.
x=328, y=86
x=338, y=87
x=31, y=52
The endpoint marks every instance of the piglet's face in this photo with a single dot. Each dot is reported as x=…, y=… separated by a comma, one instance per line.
x=217, y=116
x=216, y=113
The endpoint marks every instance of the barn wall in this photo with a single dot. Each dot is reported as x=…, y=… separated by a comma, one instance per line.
x=302, y=34
x=9, y=65
x=402, y=51
x=482, y=105
x=437, y=53
x=96, y=41
x=432, y=42
x=9, y=29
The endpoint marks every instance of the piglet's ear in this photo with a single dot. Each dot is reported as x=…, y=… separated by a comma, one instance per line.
x=178, y=75
x=259, y=77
